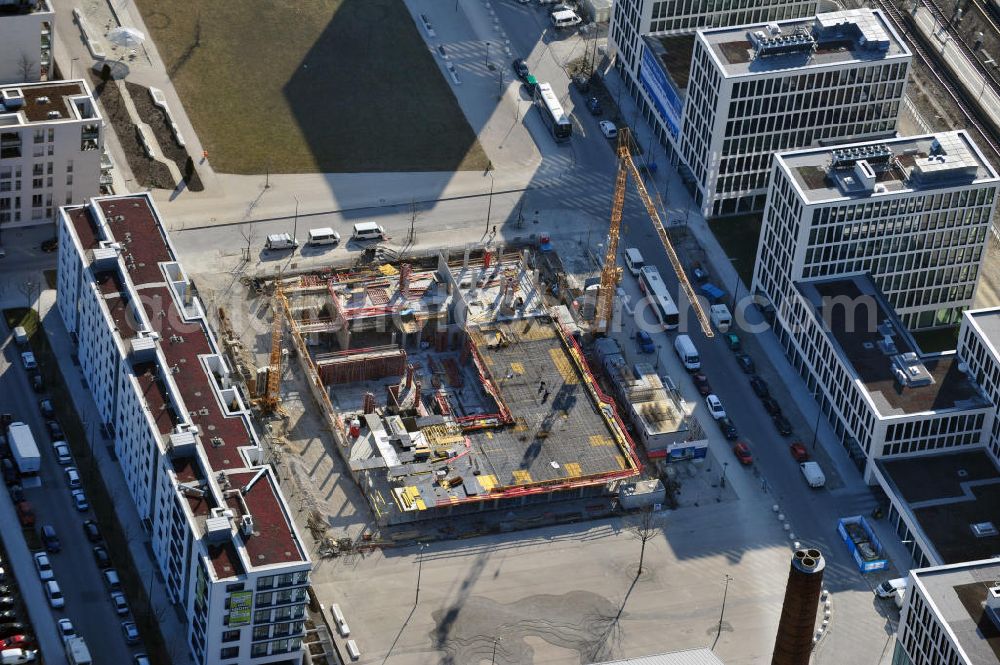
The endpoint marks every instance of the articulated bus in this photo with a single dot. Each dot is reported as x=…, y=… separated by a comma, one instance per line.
x=662, y=304
x=552, y=112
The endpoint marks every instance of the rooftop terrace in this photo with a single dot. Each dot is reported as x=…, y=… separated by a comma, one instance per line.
x=946, y=494
x=858, y=321
x=829, y=39
x=958, y=594
x=675, y=54
x=913, y=163
x=47, y=102
x=185, y=341
x=22, y=8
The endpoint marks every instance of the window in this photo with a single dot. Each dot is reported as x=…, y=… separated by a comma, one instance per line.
x=229, y=652
x=231, y=636
x=258, y=650
x=261, y=632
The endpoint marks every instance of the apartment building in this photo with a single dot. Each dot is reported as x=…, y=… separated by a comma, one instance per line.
x=222, y=534
x=650, y=42
x=913, y=212
x=758, y=89
x=26, y=34
x=951, y=616
x=51, y=150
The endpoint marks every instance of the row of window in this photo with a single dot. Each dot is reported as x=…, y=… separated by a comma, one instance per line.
x=689, y=15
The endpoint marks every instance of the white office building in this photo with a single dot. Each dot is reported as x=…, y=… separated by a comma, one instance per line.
x=755, y=90
x=26, y=34
x=51, y=150
x=978, y=345
x=913, y=212
x=650, y=42
x=223, y=536
x=951, y=616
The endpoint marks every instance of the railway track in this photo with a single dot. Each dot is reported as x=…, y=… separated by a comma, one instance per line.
x=936, y=10
x=952, y=87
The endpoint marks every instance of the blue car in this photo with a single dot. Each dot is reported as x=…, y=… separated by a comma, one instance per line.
x=645, y=342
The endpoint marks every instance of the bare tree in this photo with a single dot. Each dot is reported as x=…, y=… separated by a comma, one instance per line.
x=248, y=233
x=414, y=214
x=643, y=528
x=27, y=67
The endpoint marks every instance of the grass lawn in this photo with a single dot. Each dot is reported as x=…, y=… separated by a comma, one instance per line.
x=100, y=499
x=311, y=86
x=738, y=237
x=939, y=339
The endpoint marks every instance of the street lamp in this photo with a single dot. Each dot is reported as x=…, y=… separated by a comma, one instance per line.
x=736, y=282
x=489, y=206
x=487, y=59
x=493, y=660
x=420, y=567
x=722, y=480
x=819, y=412
x=723, y=612
x=295, y=224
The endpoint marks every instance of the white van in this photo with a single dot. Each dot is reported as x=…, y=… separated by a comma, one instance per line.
x=18, y=656
x=687, y=352
x=323, y=236
x=634, y=260
x=888, y=588
x=20, y=335
x=281, y=241
x=721, y=318
x=565, y=19
x=368, y=231
x=813, y=474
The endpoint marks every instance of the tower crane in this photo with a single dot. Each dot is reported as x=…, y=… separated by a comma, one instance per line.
x=611, y=272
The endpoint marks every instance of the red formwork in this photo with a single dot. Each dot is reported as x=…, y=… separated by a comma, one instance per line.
x=361, y=366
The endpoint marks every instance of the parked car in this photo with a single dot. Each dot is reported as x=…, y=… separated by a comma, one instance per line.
x=759, y=386
x=715, y=406
x=746, y=363
x=50, y=245
x=594, y=106
x=111, y=579
x=54, y=594
x=699, y=273
x=50, y=539
x=72, y=477
x=37, y=383
x=45, y=406
x=130, y=632
x=783, y=426
x=55, y=431
x=733, y=342
x=101, y=557
x=63, y=456
x=28, y=360
x=728, y=429
x=799, y=452
x=701, y=383
x=140, y=659
x=742, y=452
x=771, y=406
x=43, y=566
x=80, y=501
x=521, y=69
x=66, y=629
x=12, y=628
x=645, y=342
x=119, y=602
x=16, y=641
x=8, y=603
x=92, y=532
x=25, y=514
x=608, y=128
x=7, y=616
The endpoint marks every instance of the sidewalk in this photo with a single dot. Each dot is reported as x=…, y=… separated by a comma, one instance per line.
x=173, y=631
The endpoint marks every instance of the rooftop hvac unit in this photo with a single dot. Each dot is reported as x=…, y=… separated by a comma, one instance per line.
x=984, y=529
x=41, y=100
x=246, y=525
x=54, y=115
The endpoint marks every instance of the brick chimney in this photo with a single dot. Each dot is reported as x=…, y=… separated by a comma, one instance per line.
x=794, y=642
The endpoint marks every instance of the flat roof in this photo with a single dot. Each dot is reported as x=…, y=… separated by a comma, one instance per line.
x=36, y=7
x=957, y=595
x=184, y=339
x=946, y=493
x=831, y=39
x=858, y=328
x=687, y=657
x=987, y=321
x=42, y=99
x=912, y=163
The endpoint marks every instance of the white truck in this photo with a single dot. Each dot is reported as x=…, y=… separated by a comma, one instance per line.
x=23, y=447
x=813, y=474
x=721, y=318
x=77, y=652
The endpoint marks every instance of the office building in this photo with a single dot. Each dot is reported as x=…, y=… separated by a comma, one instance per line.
x=650, y=42
x=951, y=616
x=912, y=212
x=26, y=34
x=978, y=344
x=51, y=150
x=232, y=560
x=758, y=89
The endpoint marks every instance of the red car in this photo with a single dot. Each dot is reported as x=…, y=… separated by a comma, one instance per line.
x=799, y=451
x=742, y=452
x=701, y=383
x=15, y=642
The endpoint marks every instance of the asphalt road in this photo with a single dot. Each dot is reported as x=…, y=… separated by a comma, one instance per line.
x=87, y=602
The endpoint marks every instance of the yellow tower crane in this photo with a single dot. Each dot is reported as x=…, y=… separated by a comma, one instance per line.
x=611, y=273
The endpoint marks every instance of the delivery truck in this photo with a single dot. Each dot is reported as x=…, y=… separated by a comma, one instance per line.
x=77, y=652
x=23, y=448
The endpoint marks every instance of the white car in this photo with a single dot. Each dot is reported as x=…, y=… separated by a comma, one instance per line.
x=61, y=450
x=608, y=129
x=72, y=477
x=43, y=566
x=66, y=629
x=80, y=501
x=54, y=594
x=118, y=600
x=715, y=406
